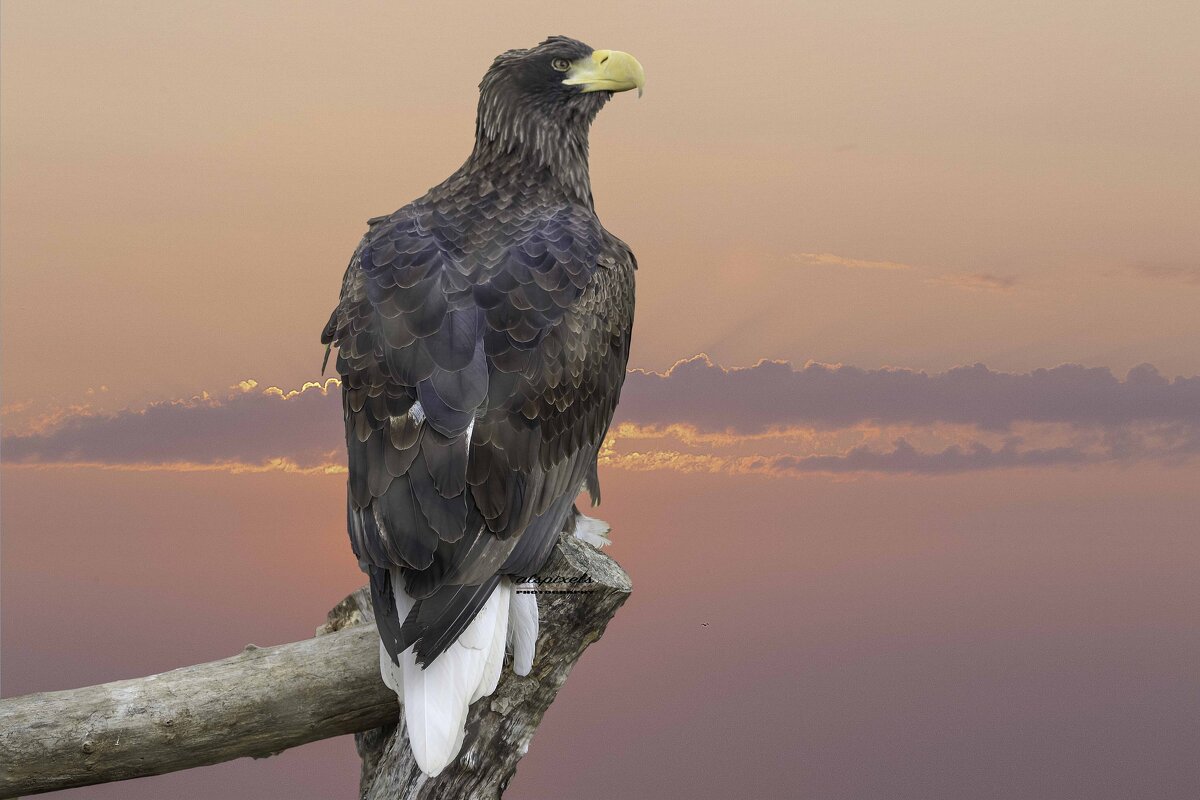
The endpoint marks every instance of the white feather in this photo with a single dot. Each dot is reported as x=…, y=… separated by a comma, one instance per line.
x=495, y=659
x=593, y=531
x=523, y=627
x=393, y=674
x=436, y=699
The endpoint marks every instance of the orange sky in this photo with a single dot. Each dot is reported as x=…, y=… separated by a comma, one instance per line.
x=984, y=590
x=183, y=182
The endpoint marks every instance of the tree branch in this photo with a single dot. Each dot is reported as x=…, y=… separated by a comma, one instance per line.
x=268, y=699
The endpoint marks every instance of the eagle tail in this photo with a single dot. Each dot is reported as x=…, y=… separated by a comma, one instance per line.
x=437, y=697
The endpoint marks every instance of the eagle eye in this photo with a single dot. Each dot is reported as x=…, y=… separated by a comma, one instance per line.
x=561, y=64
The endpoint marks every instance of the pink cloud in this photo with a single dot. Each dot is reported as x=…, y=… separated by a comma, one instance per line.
x=770, y=418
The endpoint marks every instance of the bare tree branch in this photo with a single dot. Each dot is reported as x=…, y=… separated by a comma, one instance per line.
x=268, y=699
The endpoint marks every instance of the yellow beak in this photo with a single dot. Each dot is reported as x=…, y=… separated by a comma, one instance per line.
x=607, y=71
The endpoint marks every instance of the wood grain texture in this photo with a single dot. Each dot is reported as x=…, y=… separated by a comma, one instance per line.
x=257, y=703
x=267, y=699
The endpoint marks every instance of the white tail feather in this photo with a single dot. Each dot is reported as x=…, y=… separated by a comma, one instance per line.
x=436, y=699
x=393, y=674
x=495, y=659
x=523, y=627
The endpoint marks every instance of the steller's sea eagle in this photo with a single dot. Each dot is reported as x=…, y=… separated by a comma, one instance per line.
x=482, y=332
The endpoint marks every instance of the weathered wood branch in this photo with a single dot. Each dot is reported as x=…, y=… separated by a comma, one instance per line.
x=255, y=704
x=268, y=699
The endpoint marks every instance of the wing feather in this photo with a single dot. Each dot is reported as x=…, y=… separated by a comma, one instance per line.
x=481, y=360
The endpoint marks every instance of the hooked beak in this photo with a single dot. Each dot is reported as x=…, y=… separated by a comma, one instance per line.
x=607, y=71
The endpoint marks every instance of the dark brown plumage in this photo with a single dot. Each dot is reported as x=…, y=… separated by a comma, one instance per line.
x=483, y=332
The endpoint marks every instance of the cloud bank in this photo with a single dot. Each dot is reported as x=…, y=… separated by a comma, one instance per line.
x=776, y=394
x=771, y=418
x=248, y=427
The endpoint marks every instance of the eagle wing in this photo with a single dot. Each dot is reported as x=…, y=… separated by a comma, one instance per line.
x=481, y=362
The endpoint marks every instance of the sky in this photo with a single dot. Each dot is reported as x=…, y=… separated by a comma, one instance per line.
x=906, y=467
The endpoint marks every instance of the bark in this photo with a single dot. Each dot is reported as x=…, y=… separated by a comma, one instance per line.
x=267, y=699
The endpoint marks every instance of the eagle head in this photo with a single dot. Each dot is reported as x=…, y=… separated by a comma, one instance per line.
x=534, y=97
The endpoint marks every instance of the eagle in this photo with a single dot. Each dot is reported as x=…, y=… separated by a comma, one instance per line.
x=482, y=336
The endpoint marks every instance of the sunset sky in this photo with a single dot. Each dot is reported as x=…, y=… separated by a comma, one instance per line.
x=913, y=422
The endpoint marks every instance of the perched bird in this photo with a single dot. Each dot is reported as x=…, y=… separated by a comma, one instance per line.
x=482, y=333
